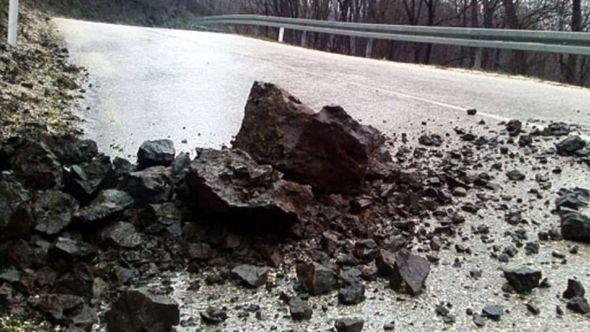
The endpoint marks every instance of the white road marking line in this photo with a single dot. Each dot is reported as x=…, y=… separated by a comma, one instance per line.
x=430, y=101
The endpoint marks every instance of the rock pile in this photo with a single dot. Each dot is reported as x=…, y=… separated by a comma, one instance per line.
x=78, y=228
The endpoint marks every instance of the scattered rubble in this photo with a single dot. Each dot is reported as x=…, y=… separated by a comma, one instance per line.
x=102, y=228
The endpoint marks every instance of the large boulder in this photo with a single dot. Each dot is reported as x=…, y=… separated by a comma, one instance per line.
x=156, y=153
x=138, y=310
x=230, y=183
x=328, y=150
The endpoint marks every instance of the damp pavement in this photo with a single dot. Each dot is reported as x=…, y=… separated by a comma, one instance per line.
x=192, y=87
x=154, y=83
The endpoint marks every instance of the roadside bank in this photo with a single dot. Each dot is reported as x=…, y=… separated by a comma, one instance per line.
x=39, y=89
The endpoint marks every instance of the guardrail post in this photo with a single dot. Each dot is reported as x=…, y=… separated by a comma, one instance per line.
x=12, y=22
x=478, y=56
x=369, y=50
x=304, y=39
x=281, y=34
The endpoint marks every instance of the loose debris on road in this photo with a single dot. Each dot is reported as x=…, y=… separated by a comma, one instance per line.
x=317, y=193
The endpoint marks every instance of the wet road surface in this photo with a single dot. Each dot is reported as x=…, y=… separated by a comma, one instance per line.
x=192, y=87
x=152, y=83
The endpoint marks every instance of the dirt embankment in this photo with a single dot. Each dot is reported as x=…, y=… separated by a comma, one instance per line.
x=38, y=88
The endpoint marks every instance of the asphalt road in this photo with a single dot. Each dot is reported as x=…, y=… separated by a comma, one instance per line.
x=154, y=83
x=192, y=86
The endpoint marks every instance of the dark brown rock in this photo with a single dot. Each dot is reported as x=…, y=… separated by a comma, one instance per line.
x=52, y=211
x=64, y=309
x=230, y=183
x=300, y=309
x=575, y=226
x=37, y=166
x=15, y=218
x=385, y=262
x=316, y=279
x=156, y=153
x=84, y=181
x=137, y=310
x=199, y=251
x=574, y=289
x=349, y=325
x=350, y=294
x=328, y=150
x=213, y=315
x=523, y=279
x=579, y=305
x=107, y=206
x=71, y=151
x=121, y=235
x=157, y=218
x=149, y=186
x=570, y=145
x=409, y=273
x=250, y=275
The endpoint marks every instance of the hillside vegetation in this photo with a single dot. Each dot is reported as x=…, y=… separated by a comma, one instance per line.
x=163, y=13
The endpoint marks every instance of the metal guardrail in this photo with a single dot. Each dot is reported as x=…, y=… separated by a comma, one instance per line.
x=523, y=40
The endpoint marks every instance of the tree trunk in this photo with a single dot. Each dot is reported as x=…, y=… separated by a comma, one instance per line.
x=572, y=60
x=474, y=24
x=511, y=20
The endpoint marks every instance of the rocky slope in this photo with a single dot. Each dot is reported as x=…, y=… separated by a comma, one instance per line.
x=38, y=88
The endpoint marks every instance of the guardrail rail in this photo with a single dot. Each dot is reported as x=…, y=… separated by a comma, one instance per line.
x=561, y=42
